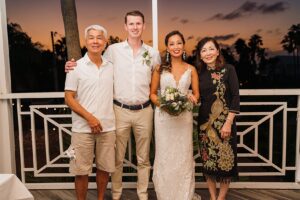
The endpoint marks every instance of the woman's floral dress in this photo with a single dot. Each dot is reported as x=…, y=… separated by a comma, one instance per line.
x=219, y=90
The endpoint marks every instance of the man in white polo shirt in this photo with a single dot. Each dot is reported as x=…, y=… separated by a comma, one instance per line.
x=133, y=63
x=89, y=94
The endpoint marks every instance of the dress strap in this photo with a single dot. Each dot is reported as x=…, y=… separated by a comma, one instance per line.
x=190, y=68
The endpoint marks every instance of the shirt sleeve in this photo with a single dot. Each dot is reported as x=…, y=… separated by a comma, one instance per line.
x=156, y=59
x=234, y=90
x=72, y=81
x=108, y=54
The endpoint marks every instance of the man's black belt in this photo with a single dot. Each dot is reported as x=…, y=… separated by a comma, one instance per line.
x=132, y=107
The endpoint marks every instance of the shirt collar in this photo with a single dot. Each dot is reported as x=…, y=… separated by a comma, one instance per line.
x=88, y=61
x=126, y=45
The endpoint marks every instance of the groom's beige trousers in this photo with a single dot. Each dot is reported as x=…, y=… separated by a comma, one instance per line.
x=141, y=122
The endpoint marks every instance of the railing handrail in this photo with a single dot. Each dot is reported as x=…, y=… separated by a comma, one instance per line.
x=243, y=92
x=32, y=95
x=32, y=112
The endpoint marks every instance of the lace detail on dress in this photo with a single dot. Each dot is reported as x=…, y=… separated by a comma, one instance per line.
x=174, y=166
x=167, y=79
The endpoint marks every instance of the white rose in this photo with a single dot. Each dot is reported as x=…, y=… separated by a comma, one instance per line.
x=167, y=97
x=172, y=97
x=174, y=104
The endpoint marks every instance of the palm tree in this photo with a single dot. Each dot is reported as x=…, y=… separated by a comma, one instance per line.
x=61, y=49
x=68, y=9
x=243, y=67
x=112, y=39
x=288, y=44
x=30, y=66
x=255, y=44
x=261, y=54
x=228, y=56
x=295, y=29
x=291, y=43
x=241, y=47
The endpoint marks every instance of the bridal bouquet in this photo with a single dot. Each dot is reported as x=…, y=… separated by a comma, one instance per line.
x=174, y=102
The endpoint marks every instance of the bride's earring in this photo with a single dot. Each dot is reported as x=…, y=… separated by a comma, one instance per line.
x=167, y=57
x=184, y=55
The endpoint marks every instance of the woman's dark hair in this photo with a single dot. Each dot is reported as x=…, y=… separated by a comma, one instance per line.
x=220, y=61
x=166, y=63
x=136, y=13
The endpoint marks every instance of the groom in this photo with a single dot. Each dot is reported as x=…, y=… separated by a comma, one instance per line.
x=133, y=63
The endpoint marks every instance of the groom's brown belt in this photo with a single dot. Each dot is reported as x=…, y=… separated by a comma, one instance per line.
x=132, y=107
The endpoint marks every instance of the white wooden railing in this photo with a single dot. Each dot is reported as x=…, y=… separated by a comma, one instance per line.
x=268, y=140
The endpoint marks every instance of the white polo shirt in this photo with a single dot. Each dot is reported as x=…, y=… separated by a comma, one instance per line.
x=132, y=75
x=94, y=88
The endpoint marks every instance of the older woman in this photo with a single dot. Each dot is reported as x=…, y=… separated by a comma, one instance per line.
x=219, y=89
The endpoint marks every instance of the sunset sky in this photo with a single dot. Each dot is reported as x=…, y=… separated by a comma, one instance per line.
x=227, y=20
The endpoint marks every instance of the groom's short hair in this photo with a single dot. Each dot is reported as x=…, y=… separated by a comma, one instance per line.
x=135, y=13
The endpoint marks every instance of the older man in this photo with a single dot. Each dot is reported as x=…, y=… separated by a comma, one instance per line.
x=89, y=94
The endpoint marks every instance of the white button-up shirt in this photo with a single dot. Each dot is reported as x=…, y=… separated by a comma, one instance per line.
x=94, y=88
x=132, y=75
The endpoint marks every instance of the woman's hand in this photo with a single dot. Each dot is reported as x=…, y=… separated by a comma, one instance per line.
x=69, y=66
x=226, y=129
x=192, y=99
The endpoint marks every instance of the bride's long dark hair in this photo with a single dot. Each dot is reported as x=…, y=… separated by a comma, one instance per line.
x=167, y=60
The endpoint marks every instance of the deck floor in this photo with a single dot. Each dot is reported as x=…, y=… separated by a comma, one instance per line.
x=130, y=194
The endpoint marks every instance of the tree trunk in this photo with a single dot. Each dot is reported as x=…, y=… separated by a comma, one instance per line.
x=68, y=9
x=298, y=62
x=295, y=65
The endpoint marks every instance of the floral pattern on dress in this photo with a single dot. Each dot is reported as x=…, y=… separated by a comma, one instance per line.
x=216, y=152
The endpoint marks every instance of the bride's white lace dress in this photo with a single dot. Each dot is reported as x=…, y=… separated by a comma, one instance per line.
x=174, y=166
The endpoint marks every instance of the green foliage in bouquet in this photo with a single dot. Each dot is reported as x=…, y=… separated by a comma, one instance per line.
x=174, y=102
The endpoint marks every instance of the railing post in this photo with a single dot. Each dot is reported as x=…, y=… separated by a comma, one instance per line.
x=7, y=144
x=297, y=179
x=154, y=24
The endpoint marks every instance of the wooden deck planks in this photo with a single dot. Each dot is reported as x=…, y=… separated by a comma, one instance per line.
x=130, y=194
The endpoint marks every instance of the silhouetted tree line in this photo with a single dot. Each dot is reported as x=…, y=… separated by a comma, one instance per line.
x=31, y=66
x=34, y=69
x=256, y=70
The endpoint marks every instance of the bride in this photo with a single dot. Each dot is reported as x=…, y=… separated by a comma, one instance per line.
x=174, y=166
